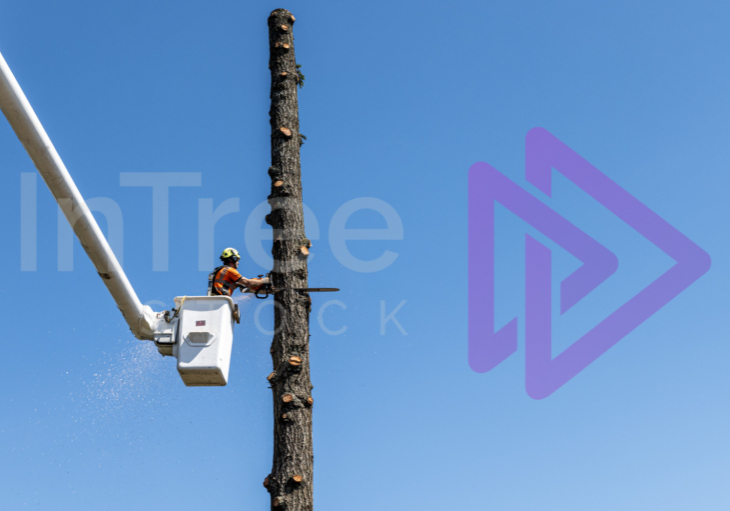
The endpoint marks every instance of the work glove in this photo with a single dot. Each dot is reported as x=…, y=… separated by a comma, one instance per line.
x=259, y=283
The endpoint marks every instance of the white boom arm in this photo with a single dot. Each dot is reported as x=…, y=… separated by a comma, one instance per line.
x=13, y=103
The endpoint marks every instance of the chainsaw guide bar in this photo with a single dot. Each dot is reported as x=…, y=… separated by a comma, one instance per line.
x=266, y=290
x=309, y=289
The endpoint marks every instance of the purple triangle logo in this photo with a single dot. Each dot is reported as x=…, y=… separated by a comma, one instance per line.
x=545, y=374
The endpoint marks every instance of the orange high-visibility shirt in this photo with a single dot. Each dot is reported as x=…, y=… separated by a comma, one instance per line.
x=225, y=281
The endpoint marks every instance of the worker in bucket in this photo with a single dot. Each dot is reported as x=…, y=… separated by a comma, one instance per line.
x=225, y=279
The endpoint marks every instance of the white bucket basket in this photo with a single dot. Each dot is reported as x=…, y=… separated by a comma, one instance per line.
x=204, y=339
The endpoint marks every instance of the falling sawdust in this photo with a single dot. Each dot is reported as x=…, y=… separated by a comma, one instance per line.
x=131, y=381
x=242, y=299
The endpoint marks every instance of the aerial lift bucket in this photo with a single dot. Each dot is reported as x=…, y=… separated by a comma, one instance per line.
x=200, y=336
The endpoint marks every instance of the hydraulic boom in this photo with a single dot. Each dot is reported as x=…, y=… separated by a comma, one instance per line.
x=13, y=103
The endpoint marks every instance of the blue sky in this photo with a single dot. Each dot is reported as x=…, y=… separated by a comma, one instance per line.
x=400, y=99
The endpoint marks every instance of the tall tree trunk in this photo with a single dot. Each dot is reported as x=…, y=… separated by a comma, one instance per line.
x=290, y=481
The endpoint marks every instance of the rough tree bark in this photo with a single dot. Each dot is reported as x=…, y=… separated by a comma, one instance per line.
x=290, y=481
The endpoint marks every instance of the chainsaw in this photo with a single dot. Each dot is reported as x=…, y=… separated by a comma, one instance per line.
x=267, y=289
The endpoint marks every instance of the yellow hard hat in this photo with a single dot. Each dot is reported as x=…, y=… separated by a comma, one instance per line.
x=229, y=253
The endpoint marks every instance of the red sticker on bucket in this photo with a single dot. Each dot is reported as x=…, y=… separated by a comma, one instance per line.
x=200, y=323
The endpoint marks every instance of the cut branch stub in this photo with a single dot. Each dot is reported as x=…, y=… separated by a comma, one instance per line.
x=304, y=251
x=287, y=398
x=297, y=479
x=283, y=74
x=271, y=376
x=285, y=131
x=277, y=184
x=285, y=416
x=283, y=28
x=310, y=401
x=278, y=501
x=266, y=482
x=295, y=361
x=292, y=18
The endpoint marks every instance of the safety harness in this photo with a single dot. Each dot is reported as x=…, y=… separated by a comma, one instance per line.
x=228, y=287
